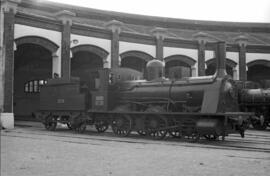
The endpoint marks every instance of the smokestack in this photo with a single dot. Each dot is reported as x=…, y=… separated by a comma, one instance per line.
x=221, y=59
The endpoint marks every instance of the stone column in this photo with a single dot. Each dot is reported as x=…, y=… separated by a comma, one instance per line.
x=201, y=58
x=66, y=18
x=115, y=27
x=201, y=38
x=9, y=8
x=160, y=34
x=242, y=43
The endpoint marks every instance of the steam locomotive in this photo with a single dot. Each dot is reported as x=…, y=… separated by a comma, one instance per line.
x=256, y=100
x=190, y=107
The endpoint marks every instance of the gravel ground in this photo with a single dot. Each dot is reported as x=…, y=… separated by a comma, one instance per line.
x=27, y=151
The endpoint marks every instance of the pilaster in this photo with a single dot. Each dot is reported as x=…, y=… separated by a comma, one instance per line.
x=115, y=27
x=201, y=38
x=242, y=43
x=9, y=9
x=66, y=18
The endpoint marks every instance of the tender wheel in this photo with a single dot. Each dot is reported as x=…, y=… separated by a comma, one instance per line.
x=101, y=126
x=196, y=137
x=211, y=137
x=257, y=125
x=69, y=126
x=155, y=126
x=81, y=128
x=50, y=124
x=121, y=126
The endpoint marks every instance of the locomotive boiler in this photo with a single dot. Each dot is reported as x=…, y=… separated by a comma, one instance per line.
x=190, y=107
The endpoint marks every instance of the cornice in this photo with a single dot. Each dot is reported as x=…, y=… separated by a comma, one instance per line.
x=137, y=38
x=46, y=21
x=90, y=31
x=174, y=42
x=37, y=21
x=149, y=20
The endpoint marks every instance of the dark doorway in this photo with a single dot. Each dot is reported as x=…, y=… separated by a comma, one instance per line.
x=85, y=65
x=32, y=68
x=134, y=63
x=171, y=68
x=259, y=74
x=211, y=69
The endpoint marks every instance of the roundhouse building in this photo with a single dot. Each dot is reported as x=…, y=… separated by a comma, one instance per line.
x=40, y=40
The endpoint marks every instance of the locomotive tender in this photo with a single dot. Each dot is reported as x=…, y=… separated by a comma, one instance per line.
x=194, y=107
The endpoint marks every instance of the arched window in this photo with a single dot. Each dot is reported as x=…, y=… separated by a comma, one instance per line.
x=33, y=86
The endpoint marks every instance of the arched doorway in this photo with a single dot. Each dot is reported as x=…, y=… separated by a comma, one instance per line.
x=85, y=63
x=259, y=71
x=32, y=67
x=136, y=60
x=211, y=67
x=178, y=66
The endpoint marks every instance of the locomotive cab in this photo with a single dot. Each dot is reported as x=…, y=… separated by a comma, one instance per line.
x=109, y=80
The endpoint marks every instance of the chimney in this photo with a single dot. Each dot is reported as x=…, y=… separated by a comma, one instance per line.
x=221, y=59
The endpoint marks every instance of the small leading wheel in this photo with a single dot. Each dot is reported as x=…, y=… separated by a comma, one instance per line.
x=81, y=128
x=258, y=126
x=121, y=126
x=211, y=137
x=157, y=134
x=50, y=123
x=175, y=134
x=101, y=126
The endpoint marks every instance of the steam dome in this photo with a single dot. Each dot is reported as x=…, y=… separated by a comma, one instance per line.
x=155, y=69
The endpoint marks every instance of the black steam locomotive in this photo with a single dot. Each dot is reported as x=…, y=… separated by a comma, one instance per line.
x=256, y=100
x=195, y=107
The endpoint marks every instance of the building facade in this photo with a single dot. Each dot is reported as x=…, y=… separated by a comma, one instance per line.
x=40, y=40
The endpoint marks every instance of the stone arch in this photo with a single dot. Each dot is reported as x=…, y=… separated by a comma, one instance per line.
x=259, y=62
x=49, y=45
x=229, y=62
x=185, y=59
x=91, y=48
x=137, y=54
x=230, y=67
x=86, y=61
x=33, y=65
x=178, y=66
x=136, y=60
x=259, y=71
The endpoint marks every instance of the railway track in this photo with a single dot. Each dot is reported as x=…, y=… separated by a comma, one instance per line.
x=258, y=141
